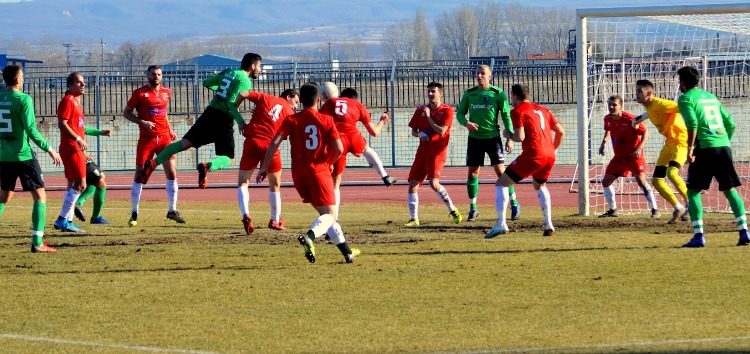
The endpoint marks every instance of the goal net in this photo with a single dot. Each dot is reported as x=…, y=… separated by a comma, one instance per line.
x=617, y=47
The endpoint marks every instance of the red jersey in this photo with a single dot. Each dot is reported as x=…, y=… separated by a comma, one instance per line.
x=537, y=122
x=309, y=134
x=152, y=105
x=442, y=116
x=346, y=112
x=625, y=138
x=70, y=109
x=270, y=112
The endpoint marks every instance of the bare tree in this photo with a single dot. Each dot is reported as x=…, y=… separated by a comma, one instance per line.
x=422, y=39
x=409, y=40
x=458, y=32
x=132, y=55
x=353, y=50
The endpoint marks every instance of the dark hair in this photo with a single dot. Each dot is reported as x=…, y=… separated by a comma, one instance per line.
x=153, y=67
x=289, y=92
x=689, y=76
x=521, y=91
x=436, y=85
x=617, y=98
x=10, y=73
x=249, y=59
x=72, y=78
x=349, y=93
x=645, y=83
x=308, y=94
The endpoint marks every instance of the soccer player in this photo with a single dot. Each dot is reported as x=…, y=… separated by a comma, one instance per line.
x=533, y=126
x=151, y=102
x=667, y=119
x=710, y=129
x=73, y=131
x=17, y=160
x=270, y=112
x=215, y=124
x=315, y=146
x=627, y=143
x=346, y=111
x=484, y=103
x=96, y=186
x=431, y=123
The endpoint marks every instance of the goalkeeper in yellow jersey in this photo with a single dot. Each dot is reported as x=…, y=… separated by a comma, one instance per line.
x=665, y=115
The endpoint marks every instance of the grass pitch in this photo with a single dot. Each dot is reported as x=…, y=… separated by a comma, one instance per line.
x=599, y=285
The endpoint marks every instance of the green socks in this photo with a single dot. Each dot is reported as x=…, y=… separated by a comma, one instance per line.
x=218, y=163
x=38, y=219
x=99, y=197
x=695, y=208
x=738, y=207
x=168, y=151
x=512, y=195
x=2, y=208
x=85, y=195
x=472, y=187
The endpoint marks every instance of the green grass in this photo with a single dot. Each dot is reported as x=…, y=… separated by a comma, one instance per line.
x=599, y=285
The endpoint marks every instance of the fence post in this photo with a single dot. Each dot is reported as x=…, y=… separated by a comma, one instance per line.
x=393, y=114
x=196, y=97
x=294, y=75
x=98, y=111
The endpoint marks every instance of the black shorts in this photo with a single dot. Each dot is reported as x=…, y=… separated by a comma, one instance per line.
x=712, y=163
x=93, y=173
x=28, y=171
x=476, y=148
x=213, y=126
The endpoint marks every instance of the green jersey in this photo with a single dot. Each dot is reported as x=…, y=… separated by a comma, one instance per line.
x=17, y=126
x=704, y=114
x=483, y=107
x=228, y=84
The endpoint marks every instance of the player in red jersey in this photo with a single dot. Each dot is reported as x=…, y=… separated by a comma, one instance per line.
x=151, y=102
x=270, y=111
x=315, y=145
x=533, y=125
x=346, y=111
x=431, y=123
x=73, y=131
x=627, y=143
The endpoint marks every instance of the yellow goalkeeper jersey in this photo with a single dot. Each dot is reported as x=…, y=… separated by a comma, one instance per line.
x=667, y=119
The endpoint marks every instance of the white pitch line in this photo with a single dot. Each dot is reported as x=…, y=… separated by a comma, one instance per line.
x=138, y=348
x=607, y=346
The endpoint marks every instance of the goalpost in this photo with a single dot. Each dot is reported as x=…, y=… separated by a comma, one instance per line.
x=615, y=47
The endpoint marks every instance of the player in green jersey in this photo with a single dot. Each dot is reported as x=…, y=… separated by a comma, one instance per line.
x=215, y=124
x=710, y=129
x=484, y=103
x=17, y=160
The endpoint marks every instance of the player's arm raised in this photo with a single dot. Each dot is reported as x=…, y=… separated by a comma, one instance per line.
x=374, y=129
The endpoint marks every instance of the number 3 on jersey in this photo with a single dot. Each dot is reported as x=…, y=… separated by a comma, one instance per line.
x=312, y=141
x=6, y=125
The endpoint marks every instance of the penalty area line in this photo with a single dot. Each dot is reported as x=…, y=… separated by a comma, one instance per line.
x=624, y=345
x=138, y=348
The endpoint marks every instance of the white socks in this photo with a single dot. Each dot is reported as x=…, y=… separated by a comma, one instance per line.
x=243, y=200
x=443, y=194
x=501, y=204
x=274, y=200
x=373, y=159
x=413, y=203
x=335, y=234
x=172, y=189
x=546, y=203
x=135, y=196
x=69, y=203
x=609, y=196
x=322, y=224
